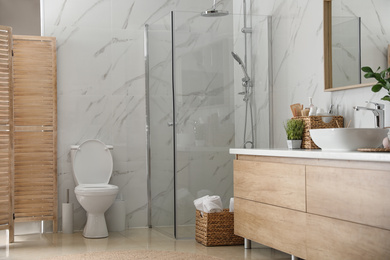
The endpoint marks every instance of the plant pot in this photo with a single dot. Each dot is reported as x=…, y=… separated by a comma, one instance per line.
x=294, y=144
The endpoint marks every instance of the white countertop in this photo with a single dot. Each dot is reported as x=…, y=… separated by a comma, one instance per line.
x=316, y=154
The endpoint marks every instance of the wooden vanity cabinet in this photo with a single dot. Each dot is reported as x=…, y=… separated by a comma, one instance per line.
x=313, y=208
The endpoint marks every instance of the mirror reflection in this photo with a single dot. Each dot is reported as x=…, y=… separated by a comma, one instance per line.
x=355, y=35
x=346, y=61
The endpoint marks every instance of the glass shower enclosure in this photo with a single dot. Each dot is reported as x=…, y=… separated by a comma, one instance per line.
x=194, y=111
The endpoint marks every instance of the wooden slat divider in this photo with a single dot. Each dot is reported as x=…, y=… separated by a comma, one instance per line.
x=35, y=133
x=6, y=132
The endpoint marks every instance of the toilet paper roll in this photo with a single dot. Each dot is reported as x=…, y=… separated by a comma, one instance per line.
x=67, y=218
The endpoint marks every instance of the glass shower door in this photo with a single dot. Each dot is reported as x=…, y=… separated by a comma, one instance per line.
x=196, y=110
x=204, y=102
x=161, y=126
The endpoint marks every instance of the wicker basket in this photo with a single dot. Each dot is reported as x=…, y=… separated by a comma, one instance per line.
x=316, y=122
x=216, y=229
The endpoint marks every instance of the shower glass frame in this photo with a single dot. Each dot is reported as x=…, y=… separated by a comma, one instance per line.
x=169, y=35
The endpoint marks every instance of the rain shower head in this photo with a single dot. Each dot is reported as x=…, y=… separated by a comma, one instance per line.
x=213, y=12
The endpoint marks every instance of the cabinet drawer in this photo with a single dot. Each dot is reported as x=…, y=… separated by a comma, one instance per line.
x=279, y=228
x=331, y=239
x=361, y=196
x=272, y=183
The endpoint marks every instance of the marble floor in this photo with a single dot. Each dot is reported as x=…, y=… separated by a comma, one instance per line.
x=40, y=246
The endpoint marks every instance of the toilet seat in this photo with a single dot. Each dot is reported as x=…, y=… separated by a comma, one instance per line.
x=96, y=189
x=92, y=163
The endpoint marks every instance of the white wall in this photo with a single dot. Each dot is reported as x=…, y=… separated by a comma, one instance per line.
x=101, y=79
x=298, y=64
x=101, y=85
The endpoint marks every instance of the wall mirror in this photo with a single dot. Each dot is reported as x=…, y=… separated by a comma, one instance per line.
x=356, y=34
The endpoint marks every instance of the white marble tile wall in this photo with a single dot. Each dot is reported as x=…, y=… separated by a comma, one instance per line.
x=297, y=52
x=101, y=87
x=297, y=57
x=101, y=78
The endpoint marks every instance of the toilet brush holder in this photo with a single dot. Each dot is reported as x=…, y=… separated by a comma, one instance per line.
x=67, y=216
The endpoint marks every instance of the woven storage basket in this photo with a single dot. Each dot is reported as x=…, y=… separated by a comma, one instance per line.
x=316, y=122
x=216, y=229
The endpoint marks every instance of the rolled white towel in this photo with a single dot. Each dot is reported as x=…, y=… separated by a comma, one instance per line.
x=199, y=203
x=231, y=205
x=212, y=204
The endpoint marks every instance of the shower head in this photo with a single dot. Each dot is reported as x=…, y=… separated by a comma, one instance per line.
x=238, y=59
x=214, y=13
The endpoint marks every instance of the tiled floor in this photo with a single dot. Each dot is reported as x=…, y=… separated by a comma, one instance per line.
x=39, y=246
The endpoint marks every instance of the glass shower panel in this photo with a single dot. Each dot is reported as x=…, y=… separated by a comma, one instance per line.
x=161, y=126
x=204, y=105
x=260, y=66
x=196, y=111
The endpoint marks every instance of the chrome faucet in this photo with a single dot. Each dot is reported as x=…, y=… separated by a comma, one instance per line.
x=379, y=113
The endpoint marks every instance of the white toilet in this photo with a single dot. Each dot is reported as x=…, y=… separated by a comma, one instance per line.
x=92, y=169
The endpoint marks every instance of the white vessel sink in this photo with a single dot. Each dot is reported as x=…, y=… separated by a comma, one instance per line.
x=347, y=139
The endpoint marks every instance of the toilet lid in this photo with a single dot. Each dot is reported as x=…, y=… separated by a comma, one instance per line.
x=92, y=163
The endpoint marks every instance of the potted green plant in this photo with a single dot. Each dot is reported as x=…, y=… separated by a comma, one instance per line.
x=382, y=77
x=294, y=130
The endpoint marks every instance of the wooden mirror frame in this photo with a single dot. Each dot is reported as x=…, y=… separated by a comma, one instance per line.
x=328, y=80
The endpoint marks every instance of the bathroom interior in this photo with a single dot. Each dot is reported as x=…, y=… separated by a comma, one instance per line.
x=173, y=89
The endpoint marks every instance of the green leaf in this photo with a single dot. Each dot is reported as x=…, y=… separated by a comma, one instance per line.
x=383, y=78
x=369, y=75
x=380, y=79
x=367, y=69
x=383, y=74
x=376, y=88
x=387, y=85
x=386, y=98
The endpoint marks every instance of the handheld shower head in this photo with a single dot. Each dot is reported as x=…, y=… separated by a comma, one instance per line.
x=238, y=59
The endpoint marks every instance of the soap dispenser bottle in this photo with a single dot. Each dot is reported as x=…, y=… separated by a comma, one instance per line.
x=313, y=109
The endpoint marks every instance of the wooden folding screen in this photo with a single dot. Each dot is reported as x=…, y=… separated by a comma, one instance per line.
x=35, y=129
x=6, y=132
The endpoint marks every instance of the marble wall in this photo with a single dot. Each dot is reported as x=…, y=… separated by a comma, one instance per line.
x=101, y=87
x=298, y=64
x=101, y=79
